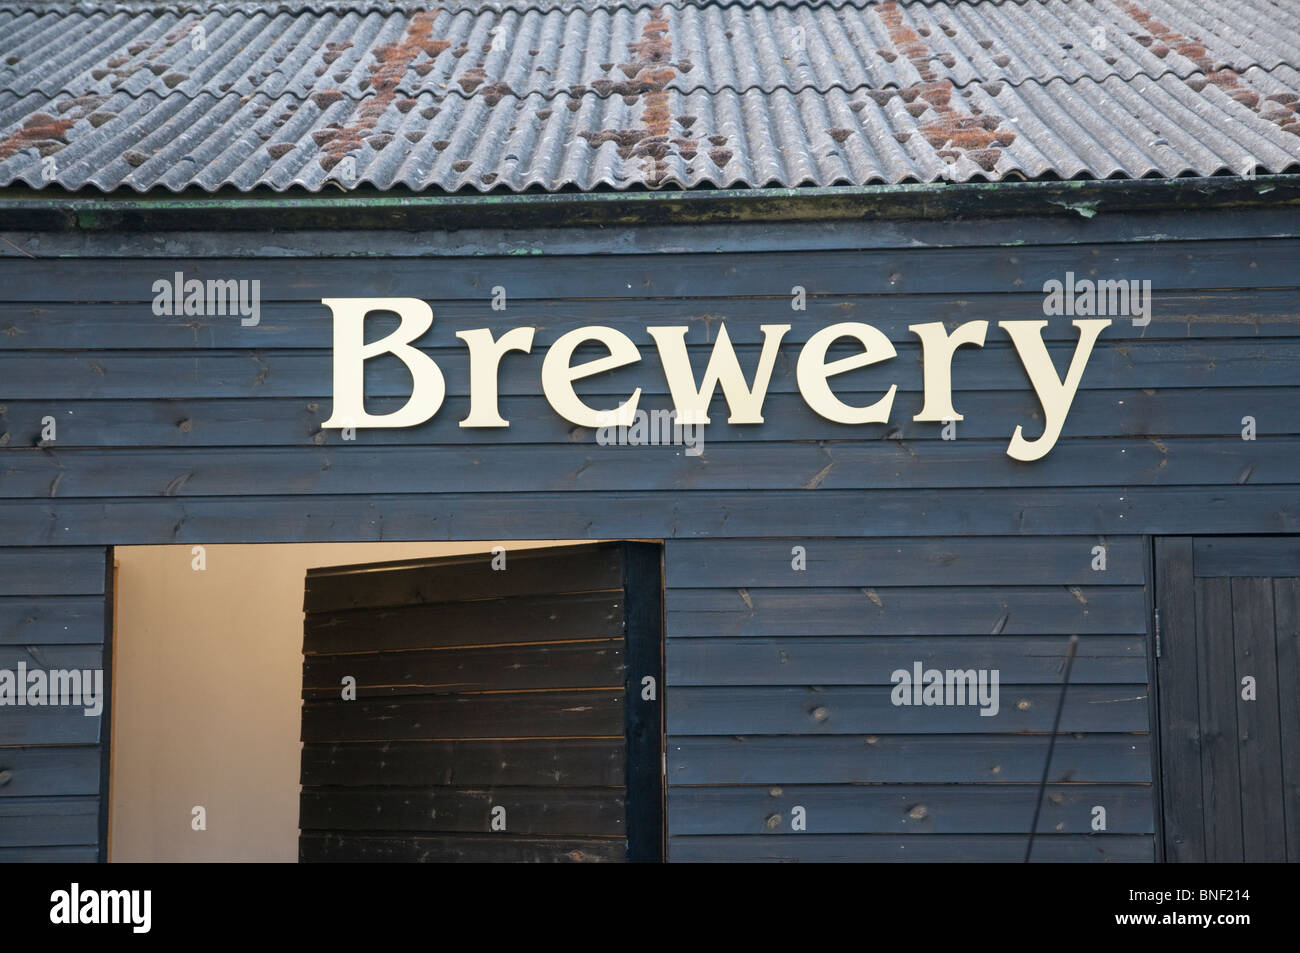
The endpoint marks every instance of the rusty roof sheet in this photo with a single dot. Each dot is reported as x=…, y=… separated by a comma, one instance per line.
x=591, y=95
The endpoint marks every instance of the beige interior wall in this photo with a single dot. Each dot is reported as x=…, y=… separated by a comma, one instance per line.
x=206, y=706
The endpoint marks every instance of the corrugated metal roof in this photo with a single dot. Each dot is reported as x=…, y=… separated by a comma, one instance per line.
x=588, y=95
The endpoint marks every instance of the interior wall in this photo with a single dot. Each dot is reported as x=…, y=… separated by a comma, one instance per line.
x=207, y=670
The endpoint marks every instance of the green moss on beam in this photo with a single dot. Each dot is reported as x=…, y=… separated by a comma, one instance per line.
x=46, y=210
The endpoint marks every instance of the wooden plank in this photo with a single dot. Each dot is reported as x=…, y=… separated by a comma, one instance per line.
x=643, y=712
x=48, y=656
x=450, y=717
x=51, y=619
x=287, y=421
x=56, y=770
x=528, y=811
x=49, y=855
x=51, y=570
x=832, y=759
x=1242, y=556
x=859, y=709
x=1179, y=695
x=1263, y=819
x=1220, y=772
x=652, y=515
x=49, y=725
x=544, y=618
x=943, y=226
x=848, y=660
x=48, y=821
x=467, y=848
x=1216, y=264
x=895, y=848
x=306, y=374
x=921, y=610
x=571, y=762
x=1286, y=602
x=446, y=671
x=909, y=561
x=908, y=809
x=1174, y=314
x=549, y=571
x=523, y=468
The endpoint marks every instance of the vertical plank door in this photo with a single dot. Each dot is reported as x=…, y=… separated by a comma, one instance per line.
x=1229, y=696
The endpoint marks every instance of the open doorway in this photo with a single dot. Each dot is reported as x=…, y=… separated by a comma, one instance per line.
x=208, y=693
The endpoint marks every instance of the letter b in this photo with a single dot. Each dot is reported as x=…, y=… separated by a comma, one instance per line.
x=351, y=353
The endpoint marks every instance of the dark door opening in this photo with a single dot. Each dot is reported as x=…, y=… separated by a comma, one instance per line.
x=495, y=707
x=1229, y=697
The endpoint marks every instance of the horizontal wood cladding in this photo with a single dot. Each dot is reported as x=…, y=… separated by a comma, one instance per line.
x=49, y=855
x=294, y=422
x=509, y=715
x=51, y=620
x=434, y=515
x=904, y=561
x=905, y=759
x=927, y=848
x=504, y=668
x=513, y=468
x=572, y=762
x=908, y=808
x=53, y=613
x=298, y=323
x=51, y=770
x=1241, y=263
x=1026, y=660
x=920, y=610
x=472, y=848
x=785, y=718
x=554, y=571
x=532, y=811
x=1246, y=557
x=209, y=373
x=584, y=616
x=51, y=571
x=859, y=709
x=49, y=821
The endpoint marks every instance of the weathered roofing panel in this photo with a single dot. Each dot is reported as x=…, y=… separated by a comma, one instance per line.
x=711, y=48
x=627, y=94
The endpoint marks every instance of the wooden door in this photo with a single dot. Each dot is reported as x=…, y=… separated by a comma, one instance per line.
x=507, y=708
x=1228, y=630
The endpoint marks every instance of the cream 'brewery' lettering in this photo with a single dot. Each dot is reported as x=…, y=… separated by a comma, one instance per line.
x=814, y=371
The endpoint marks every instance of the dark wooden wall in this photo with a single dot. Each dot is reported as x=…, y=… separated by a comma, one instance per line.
x=54, y=607
x=197, y=430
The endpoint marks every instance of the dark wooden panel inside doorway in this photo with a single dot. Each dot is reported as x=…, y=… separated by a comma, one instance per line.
x=498, y=712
